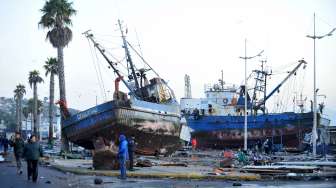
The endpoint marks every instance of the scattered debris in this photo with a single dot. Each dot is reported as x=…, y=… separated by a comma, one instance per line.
x=236, y=184
x=294, y=169
x=144, y=163
x=174, y=164
x=226, y=163
x=105, y=160
x=228, y=154
x=214, y=173
x=309, y=163
x=98, y=181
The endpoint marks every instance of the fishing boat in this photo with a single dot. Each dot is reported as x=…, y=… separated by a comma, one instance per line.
x=217, y=121
x=148, y=111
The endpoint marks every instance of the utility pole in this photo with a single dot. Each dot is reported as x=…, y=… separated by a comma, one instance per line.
x=222, y=81
x=245, y=83
x=314, y=131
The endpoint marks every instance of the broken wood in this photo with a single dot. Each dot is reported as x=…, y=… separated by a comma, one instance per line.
x=174, y=164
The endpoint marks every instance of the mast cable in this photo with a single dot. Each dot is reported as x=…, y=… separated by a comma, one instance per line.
x=94, y=65
x=100, y=74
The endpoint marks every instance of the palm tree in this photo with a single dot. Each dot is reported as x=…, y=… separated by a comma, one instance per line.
x=19, y=92
x=30, y=110
x=34, y=79
x=51, y=68
x=56, y=18
x=26, y=112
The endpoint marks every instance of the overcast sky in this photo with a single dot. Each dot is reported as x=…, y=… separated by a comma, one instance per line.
x=197, y=37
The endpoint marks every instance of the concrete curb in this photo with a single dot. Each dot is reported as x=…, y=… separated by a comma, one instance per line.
x=195, y=176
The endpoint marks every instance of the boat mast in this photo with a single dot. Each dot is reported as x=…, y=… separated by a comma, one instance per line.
x=128, y=56
x=265, y=74
x=277, y=87
x=102, y=51
x=260, y=85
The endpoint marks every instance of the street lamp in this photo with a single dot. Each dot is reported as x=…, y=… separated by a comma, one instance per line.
x=315, y=105
x=245, y=119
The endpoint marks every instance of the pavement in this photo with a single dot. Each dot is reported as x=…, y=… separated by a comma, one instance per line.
x=83, y=167
x=49, y=177
x=9, y=179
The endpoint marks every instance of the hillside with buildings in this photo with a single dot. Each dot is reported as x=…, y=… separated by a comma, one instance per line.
x=8, y=117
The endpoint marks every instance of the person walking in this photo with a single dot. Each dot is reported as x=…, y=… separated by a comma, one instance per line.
x=32, y=152
x=122, y=155
x=270, y=147
x=1, y=143
x=131, y=149
x=266, y=146
x=194, y=144
x=18, y=144
x=5, y=143
x=259, y=146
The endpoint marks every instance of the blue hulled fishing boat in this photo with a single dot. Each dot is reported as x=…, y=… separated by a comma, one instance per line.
x=217, y=121
x=149, y=110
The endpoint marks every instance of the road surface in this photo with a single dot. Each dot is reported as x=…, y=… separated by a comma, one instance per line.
x=50, y=178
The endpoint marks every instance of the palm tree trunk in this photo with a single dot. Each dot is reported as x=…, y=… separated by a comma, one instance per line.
x=20, y=113
x=64, y=139
x=17, y=114
x=26, y=119
x=35, y=110
x=38, y=124
x=31, y=123
x=51, y=104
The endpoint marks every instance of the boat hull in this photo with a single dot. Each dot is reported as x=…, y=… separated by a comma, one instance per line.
x=228, y=131
x=154, y=131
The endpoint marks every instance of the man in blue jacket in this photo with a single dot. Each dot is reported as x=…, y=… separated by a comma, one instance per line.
x=123, y=155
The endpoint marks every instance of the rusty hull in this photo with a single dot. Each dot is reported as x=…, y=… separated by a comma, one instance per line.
x=154, y=132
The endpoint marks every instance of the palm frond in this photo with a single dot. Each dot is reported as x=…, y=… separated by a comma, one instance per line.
x=60, y=10
x=34, y=77
x=60, y=36
x=51, y=66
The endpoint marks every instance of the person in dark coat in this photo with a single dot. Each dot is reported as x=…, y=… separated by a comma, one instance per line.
x=131, y=149
x=32, y=152
x=270, y=147
x=122, y=155
x=5, y=143
x=1, y=142
x=259, y=146
x=18, y=144
x=267, y=146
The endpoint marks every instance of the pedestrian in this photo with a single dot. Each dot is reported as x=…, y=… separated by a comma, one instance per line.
x=1, y=143
x=194, y=144
x=32, y=152
x=131, y=149
x=5, y=143
x=122, y=155
x=267, y=146
x=259, y=146
x=18, y=144
x=270, y=147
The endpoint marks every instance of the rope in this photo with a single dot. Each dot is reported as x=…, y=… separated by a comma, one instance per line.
x=94, y=65
x=101, y=78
